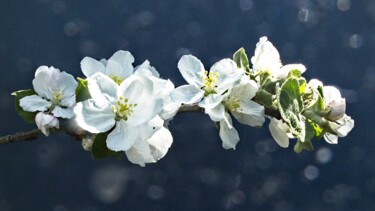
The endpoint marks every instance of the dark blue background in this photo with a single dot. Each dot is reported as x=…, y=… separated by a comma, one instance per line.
x=333, y=38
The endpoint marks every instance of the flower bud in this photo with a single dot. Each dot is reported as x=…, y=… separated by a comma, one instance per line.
x=335, y=104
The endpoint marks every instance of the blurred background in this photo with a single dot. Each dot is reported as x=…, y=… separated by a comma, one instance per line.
x=335, y=39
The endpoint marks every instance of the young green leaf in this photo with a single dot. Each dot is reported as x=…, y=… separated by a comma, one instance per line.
x=82, y=91
x=100, y=150
x=27, y=116
x=241, y=59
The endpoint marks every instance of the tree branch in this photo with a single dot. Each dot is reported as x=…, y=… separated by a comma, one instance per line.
x=34, y=134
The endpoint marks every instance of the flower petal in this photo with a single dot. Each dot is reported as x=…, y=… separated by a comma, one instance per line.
x=161, y=141
x=211, y=101
x=122, y=136
x=192, y=70
x=138, y=89
x=140, y=153
x=266, y=56
x=94, y=117
x=250, y=113
x=34, y=103
x=102, y=88
x=44, y=81
x=229, y=74
x=331, y=138
x=125, y=59
x=90, y=66
x=146, y=69
x=216, y=113
x=187, y=94
x=45, y=122
x=66, y=113
x=284, y=71
x=228, y=133
x=277, y=129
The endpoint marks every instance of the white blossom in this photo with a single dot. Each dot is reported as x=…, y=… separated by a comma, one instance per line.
x=267, y=58
x=55, y=97
x=280, y=132
x=127, y=108
x=238, y=102
x=340, y=123
x=222, y=76
x=118, y=67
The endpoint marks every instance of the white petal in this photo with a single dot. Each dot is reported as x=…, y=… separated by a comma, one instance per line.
x=331, y=93
x=66, y=113
x=66, y=84
x=34, y=103
x=44, y=81
x=68, y=101
x=228, y=135
x=161, y=141
x=192, y=70
x=330, y=138
x=245, y=91
x=278, y=133
x=45, y=122
x=229, y=74
x=344, y=126
x=146, y=68
x=139, y=90
x=122, y=137
x=90, y=66
x=93, y=117
x=125, y=59
x=102, y=88
x=266, y=56
x=169, y=110
x=114, y=69
x=216, y=113
x=250, y=113
x=140, y=153
x=187, y=94
x=211, y=101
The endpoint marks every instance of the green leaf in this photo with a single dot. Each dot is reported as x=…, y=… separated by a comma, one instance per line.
x=100, y=150
x=290, y=105
x=300, y=146
x=241, y=59
x=264, y=98
x=289, y=96
x=27, y=116
x=82, y=91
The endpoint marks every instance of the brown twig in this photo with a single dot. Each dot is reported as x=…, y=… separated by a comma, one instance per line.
x=34, y=134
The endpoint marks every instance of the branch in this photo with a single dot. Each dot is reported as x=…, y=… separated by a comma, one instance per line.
x=34, y=134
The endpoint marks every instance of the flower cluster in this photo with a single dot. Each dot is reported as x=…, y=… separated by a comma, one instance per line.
x=126, y=109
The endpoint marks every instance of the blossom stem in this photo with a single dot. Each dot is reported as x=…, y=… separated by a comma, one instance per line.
x=34, y=133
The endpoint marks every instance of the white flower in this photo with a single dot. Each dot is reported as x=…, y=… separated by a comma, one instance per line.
x=267, y=58
x=339, y=122
x=45, y=122
x=238, y=102
x=153, y=148
x=340, y=127
x=118, y=67
x=280, y=132
x=127, y=107
x=222, y=76
x=55, y=96
x=334, y=103
x=162, y=88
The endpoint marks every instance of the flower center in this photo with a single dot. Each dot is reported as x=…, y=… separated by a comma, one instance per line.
x=232, y=103
x=57, y=96
x=209, y=82
x=123, y=109
x=117, y=79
